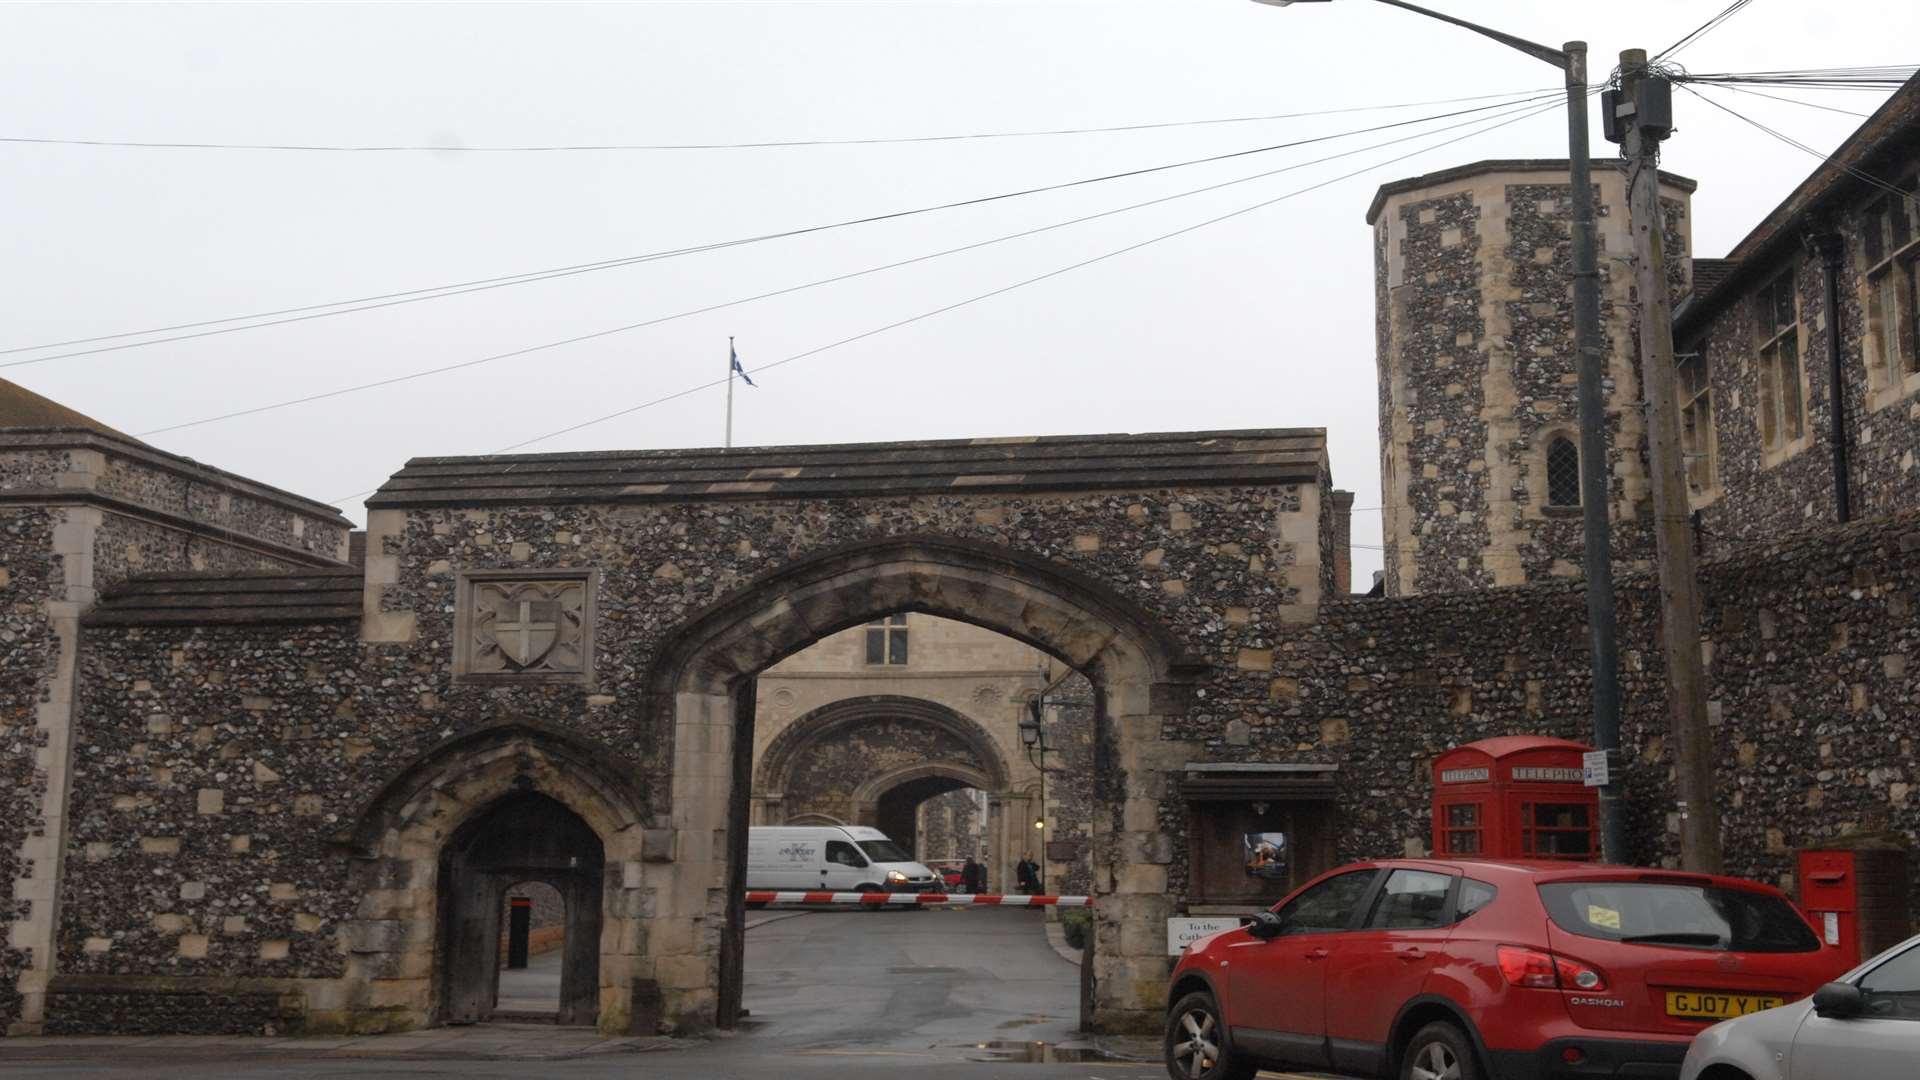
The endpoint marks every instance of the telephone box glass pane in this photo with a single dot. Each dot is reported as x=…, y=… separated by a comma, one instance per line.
x=1559, y=830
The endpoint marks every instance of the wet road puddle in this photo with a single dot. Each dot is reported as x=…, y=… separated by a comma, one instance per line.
x=1037, y=1053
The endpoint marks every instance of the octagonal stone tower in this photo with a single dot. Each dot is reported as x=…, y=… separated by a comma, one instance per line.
x=1478, y=412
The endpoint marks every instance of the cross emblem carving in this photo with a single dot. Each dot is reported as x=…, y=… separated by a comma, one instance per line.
x=527, y=626
x=524, y=627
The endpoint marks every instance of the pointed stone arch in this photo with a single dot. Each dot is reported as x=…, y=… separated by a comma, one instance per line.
x=399, y=838
x=701, y=691
x=786, y=749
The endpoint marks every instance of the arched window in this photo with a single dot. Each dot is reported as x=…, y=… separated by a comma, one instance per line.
x=1563, y=472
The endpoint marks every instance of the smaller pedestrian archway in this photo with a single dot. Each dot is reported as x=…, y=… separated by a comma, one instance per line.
x=524, y=837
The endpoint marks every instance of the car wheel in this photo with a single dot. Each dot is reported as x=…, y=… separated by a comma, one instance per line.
x=1439, y=1051
x=1196, y=1045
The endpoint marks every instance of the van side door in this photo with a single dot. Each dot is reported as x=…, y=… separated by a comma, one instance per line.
x=844, y=868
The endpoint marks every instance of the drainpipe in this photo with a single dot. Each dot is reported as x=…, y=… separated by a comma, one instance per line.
x=1832, y=248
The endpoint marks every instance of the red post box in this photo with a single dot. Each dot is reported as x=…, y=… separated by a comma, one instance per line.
x=1515, y=797
x=1856, y=894
x=1829, y=897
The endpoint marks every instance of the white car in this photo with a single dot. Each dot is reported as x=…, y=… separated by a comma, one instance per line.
x=1866, y=1026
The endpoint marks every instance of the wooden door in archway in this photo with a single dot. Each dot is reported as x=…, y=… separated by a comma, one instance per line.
x=523, y=837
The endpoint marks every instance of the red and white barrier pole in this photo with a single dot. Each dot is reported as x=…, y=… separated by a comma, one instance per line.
x=918, y=899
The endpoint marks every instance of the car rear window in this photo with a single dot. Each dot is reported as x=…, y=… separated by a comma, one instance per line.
x=1678, y=915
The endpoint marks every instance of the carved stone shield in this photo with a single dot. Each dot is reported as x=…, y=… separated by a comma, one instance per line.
x=520, y=622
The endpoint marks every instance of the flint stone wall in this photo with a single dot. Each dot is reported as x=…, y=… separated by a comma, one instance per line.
x=825, y=775
x=213, y=766
x=1210, y=562
x=74, y=1007
x=1757, y=495
x=1814, y=696
x=29, y=574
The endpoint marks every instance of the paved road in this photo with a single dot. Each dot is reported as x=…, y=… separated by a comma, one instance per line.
x=534, y=988
x=940, y=994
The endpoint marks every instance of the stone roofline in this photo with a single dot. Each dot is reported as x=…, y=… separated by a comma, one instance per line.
x=1503, y=165
x=1148, y=461
x=1833, y=183
x=87, y=439
x=82, y=487
x=799, y=449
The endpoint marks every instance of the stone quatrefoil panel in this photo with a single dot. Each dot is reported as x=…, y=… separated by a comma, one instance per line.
x=513, y=628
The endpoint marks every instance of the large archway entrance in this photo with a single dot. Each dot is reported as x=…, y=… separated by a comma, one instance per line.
x=885, y=761
x=1140, y=674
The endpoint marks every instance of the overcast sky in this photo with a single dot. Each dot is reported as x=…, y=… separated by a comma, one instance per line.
x=1264, y=320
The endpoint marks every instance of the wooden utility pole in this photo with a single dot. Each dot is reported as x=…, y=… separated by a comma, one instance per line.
x=1649, y=98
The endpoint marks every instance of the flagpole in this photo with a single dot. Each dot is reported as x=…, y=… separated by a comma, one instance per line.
x=729, y=445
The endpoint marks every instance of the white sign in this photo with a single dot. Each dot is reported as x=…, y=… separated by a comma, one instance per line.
x=1463, y=776
x=1184, y=932
x=1549, y=774
x=1831, y=921
x=1594, y=766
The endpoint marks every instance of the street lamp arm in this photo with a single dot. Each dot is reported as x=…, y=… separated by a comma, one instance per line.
x=1556, y=57
x=1536, y=50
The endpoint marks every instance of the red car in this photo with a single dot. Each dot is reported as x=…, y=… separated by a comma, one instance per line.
x=1465, y=970
x=948, y=872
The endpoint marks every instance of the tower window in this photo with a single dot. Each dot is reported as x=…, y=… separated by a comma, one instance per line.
x=1563, y=472
x=887, y=640
x=1777, y=339
x=1695, y=384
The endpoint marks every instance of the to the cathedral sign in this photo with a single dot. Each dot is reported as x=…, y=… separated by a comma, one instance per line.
x=516, y=626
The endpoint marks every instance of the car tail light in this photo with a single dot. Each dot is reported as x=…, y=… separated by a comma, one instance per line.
x=1544, y=970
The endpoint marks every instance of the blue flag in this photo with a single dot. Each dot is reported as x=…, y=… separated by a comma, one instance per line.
x=737, y=369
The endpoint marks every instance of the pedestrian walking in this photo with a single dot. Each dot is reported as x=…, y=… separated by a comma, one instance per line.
x=973, y=877
x=1029, y=875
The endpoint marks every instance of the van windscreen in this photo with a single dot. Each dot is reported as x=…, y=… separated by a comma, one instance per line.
x=884, y=851
x=1684, y=915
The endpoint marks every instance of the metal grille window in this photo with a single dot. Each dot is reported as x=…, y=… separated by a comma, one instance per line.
x=1563, y=472
x=887, y=640
x=1463, y=831
x=1891, y=243
x=1696, y=418
x=1777, y=339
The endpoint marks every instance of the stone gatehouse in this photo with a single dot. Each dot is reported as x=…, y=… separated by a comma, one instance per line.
x=250, y=782
x=279, y=780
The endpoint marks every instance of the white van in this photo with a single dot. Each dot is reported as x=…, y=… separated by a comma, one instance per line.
x=841, y=858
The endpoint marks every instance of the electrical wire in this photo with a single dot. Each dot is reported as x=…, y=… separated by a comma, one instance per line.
x=996, y=292
x=317, y=311
x=1878, y=77
x=1792, y=101
x=1798, y=145
x=771, y=144
x=408, y=377
x=1016, y=285
x=1704, y=29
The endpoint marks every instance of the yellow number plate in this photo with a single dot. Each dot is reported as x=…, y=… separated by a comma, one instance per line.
x=1707, y=1005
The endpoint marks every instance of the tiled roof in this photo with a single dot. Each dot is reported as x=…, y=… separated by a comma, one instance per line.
x=1709, y=273
x=306, y=596
x=22, y=408
x=1040, y=463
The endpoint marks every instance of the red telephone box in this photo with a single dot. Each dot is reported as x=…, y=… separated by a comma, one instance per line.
x=1515, y=797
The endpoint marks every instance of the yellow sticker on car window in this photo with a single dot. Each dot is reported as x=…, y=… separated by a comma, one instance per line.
x=1600, y=916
